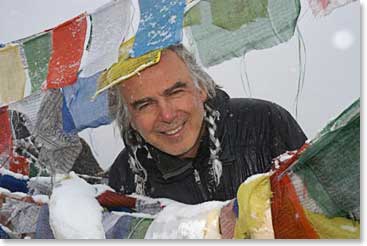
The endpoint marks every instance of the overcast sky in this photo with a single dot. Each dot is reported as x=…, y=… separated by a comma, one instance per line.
x=332, y=78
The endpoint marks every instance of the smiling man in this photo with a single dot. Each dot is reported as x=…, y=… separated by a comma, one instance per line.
x=185, y=139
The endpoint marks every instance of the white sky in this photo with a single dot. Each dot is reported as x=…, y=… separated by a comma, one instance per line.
x=332, y=79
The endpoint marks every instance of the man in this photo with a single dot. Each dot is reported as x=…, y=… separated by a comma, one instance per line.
x=187, y=140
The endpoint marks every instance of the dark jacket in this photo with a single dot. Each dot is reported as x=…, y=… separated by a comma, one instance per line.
x=251, y=131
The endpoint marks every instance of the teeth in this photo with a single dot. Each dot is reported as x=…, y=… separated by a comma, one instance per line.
x=173, y=131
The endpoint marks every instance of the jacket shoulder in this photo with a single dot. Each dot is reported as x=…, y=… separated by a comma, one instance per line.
x=120, y=176
x=267, y=117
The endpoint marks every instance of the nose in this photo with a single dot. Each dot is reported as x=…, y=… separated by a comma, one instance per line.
x=167, y=111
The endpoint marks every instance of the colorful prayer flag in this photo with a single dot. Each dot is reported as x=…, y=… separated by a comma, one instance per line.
x=67, y=49
x=110, y=24
x=6, y=142
x=126, y=67
x=325, y=7
x=160, y=25
x=13, y=76
x=29, y=106
x=85, y=111
x=37, y=51
x=257, y=28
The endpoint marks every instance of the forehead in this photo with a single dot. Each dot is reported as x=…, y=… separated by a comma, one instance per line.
x=155, y=79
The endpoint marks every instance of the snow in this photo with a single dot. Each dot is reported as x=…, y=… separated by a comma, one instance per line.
x=348, y=228
x=101, y=188
x=74, y=211
x=182, y=221
x=4, y=171
x=4, y=191
x=256, y=176
x=41, y=198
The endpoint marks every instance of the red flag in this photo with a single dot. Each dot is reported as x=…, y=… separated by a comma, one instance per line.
x=67, y=50
x=6, y=142
x=19, y=164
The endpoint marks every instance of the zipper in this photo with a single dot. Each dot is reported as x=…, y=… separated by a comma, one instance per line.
x=198, y=182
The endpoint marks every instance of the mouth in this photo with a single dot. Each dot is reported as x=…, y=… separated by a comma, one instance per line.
x=174, y=131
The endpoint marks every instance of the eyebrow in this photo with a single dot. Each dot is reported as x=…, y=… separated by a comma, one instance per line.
x=177, y=85
x=166, y=92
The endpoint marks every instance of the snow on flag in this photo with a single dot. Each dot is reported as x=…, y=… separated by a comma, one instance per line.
x=84, y=112
x=257, y=28
x=110, y=24
x=325, y=7
x=37, y=50
x=67, y=50
x=13, y=76
x=160, y=25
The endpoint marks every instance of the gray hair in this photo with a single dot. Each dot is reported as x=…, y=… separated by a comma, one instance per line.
x=119, y=110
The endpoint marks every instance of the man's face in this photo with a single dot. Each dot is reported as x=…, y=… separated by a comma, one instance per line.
x=165, y=106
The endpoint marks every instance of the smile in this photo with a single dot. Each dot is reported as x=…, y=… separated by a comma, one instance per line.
x=174, y=131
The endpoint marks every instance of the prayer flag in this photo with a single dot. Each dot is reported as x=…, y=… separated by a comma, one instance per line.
x=110, y=24
x=126, y=67
x=67, y=49
x=325, y=7
x=6, y=142
x=29, y=106
x=13, y=76
x=85, y=111
x=258, y=27
x=37, y=51
x=160, y=25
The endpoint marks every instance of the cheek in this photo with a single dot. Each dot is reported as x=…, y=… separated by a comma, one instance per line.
x=142, y=123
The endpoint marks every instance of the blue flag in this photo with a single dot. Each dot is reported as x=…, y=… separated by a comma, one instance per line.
x=160, y=25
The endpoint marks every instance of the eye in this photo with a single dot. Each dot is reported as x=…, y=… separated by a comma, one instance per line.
x=175, y=92
x=143, y=106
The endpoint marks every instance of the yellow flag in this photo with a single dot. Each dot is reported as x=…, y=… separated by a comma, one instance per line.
x=126, y=67
x=12, y=74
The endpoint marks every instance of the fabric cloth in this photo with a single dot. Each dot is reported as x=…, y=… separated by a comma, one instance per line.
x=289, y=219
x=43, y=228
x=110, y=24
x=334, y=228
x=67, y=50
x=248, y=25
x=252, y=132
x=3, y=234
x=29, y=106
x=113, y=199
x=325, y=7
x=37, y=50
x=59, y=150
x=19, y=164
x=19, y=124
x=80, y=109
x=24, y=217
x=126, y=67
x=330, y=167
x=232, y=14
x=253, y=198
x=121, y=228
x=13, y=76
x=86, y=163
x=160, y=25
x=6, y=142
x=227, y=221
x=13, y=184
